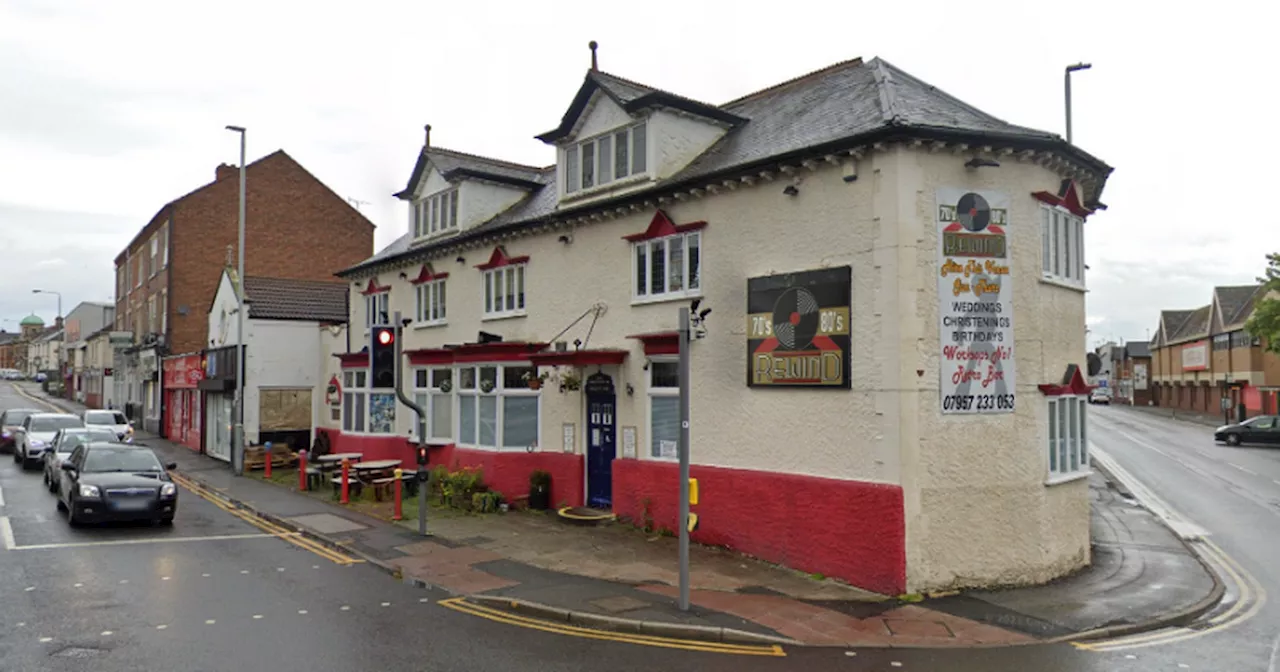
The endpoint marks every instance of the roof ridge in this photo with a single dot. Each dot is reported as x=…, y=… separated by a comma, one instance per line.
x=339, y=283
x=852, y=62
x=503, y=162
x=883, y=79
x=625, y=80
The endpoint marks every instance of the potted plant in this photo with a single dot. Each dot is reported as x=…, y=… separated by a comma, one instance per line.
x=540, y=490
x=535, y=382
x=570, y=382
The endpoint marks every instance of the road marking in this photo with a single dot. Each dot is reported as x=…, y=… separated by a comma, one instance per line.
x=386, y=604
x=1247, y=471
x=1, y=497
x=1275, y=655
x=1184, y=528
x=161, y=627
x=132, y=542
x=257, y=617
x=458, y=604
x=6, y=533
x=210, y=622
x=30, y=588
x=302, y=611
x=345, y=608
x=46, y=640
x=106, y=633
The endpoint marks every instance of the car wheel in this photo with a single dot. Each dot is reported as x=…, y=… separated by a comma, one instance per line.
x=17, y=457
x=71, y=516
x=60, y=506
x=1233, y=439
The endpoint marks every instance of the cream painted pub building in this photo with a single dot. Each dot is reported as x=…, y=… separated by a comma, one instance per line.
x=886, y=388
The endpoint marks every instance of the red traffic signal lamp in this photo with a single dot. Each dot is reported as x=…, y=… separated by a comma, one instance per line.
x=422, y=455
x=385, y=337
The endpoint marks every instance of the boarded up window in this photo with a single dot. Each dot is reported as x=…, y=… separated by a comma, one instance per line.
x=281, y=410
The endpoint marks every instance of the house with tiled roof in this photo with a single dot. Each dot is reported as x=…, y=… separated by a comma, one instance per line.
x=1206, y=362
x=862, y=258
x=283, y=329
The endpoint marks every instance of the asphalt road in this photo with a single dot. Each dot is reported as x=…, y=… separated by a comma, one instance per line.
x=1233, y=496
x=215, y=593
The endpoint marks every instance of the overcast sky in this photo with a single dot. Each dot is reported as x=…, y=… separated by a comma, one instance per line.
x=109, y=110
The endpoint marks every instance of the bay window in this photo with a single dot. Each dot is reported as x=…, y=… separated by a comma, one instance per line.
x=496, y=408
x=1061, y=246
x=668, y=268
x=606, y=158
x=664, y=409
x=377, y=308
x=1068, y=438
x=504, y=291
x=433, y=391
x=431, y=303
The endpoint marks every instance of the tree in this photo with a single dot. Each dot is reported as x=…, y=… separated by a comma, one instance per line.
x=1265, y=321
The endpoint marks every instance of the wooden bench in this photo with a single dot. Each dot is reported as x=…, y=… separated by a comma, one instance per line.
x=382, y=488
x=281, y=456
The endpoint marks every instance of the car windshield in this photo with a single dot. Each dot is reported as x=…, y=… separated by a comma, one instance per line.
x=104, y=458
x=14, y=418
x=72, y=439
x=105, y=418
x=54, y=423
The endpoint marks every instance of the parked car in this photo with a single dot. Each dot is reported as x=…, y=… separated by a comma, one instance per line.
x=10, y=424
x=1260, y=429
x=36, y=433
x=1100, y=395
x=116, y=481
x=66, y=441
x=110, y=418
x=41, y=377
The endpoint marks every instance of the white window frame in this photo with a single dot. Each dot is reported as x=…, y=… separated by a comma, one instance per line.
x=1061, y=247
x=641, y=275
x=355, y=386
x=377, y=303
x=652, y=452
x=428, y=393
x=603, y=159
x=437, y=213
x=431, y=305
x=164, y=311
x=1067, y=453
x=497, y=303
x=164, y=248
x=499, y=392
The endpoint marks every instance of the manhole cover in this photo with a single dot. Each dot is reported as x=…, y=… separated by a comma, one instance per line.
x=78, y=652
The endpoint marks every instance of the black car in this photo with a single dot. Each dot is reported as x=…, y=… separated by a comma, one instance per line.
x=10, y=423
x=1261, y=429
x=116, y=481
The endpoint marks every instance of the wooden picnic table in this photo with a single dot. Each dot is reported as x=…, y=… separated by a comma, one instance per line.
x=337, y=458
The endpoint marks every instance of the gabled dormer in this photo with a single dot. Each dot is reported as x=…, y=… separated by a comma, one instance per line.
x=450, y=192
x=619, y=135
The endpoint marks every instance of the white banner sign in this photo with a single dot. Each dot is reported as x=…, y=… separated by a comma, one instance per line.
x=975, y=294
x=1139, y=376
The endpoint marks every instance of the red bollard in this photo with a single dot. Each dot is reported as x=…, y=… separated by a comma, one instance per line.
x=398, y=515
x=302, y=471
x=266, y=468
x=346, y=468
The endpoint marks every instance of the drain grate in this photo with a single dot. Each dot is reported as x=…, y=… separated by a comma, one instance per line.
x=78, y=652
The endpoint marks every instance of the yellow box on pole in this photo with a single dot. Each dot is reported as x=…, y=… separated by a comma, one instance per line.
x=693, y=492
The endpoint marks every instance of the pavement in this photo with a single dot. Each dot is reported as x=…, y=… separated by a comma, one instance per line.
x=531, y=566
x=1207, y=419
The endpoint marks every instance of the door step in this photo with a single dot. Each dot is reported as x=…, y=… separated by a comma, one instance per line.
x=581, y=515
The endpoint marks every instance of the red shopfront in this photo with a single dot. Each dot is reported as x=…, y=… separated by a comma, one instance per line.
x=182, y=413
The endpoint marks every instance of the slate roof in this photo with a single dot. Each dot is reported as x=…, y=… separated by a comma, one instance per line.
x=1137, y=349
x=1195, y=325
x=309, y=300
x=9, y=337
x=845, y=105
x=1236, y=303
x=1170, y=322
x=453, y=165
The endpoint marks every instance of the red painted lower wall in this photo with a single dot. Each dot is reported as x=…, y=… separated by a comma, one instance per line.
x=506, y=472
x=850, y=530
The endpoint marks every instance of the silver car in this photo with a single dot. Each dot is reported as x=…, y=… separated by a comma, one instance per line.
x=37, y=432
x=112, y=419
x=66, y=441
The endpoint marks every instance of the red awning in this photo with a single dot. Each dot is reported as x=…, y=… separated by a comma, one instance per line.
x=353, y=360
x=1072, y=384
x=598, y=357
x=659, y=342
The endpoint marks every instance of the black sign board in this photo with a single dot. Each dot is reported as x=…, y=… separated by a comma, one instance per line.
x=798, y=329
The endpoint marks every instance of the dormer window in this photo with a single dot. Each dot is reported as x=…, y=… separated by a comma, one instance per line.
x=436, y=213
x=606, y=158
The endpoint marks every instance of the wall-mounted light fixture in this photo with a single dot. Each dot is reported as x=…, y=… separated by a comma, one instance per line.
x=566, y=238
x=356, y=283
x=403, y=275
x=979, y=162
x=631, y=390
x=791, y=190
x=461, y=260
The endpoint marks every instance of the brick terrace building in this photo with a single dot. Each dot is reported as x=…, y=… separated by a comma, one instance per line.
x=1204, y=355
x=166, y=277
x=1133, y=374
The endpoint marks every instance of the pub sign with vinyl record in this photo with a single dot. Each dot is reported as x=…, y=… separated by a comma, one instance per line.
x=798, y=329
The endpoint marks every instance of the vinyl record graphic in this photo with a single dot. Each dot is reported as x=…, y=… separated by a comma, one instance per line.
x=973, y=212
x=795, y=318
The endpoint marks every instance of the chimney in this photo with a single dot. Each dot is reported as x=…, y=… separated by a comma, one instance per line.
x=226, y=170
x=594, y=64
x=426, y=142
x=57, y=322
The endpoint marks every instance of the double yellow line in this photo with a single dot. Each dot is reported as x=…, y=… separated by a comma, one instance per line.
x=1252, y=596
x=265, y=525
x=460, y=604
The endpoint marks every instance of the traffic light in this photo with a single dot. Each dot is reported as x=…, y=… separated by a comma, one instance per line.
x=422, y=455
x=382, y=358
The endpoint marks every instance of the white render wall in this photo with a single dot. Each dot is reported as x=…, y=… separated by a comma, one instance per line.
x=978, y=510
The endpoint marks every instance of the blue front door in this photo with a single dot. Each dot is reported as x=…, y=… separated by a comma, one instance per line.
x=601, y=445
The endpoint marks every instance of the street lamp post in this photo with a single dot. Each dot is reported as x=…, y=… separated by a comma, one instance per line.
x=1067, y=82
x=237, y=447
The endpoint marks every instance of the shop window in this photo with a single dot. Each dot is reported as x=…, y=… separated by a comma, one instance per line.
x=1068, y=438
x=433, y=391
x=504, y=291
x=668, y=267
x=1061, y=246
x=664, y=409
x=496, y=408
